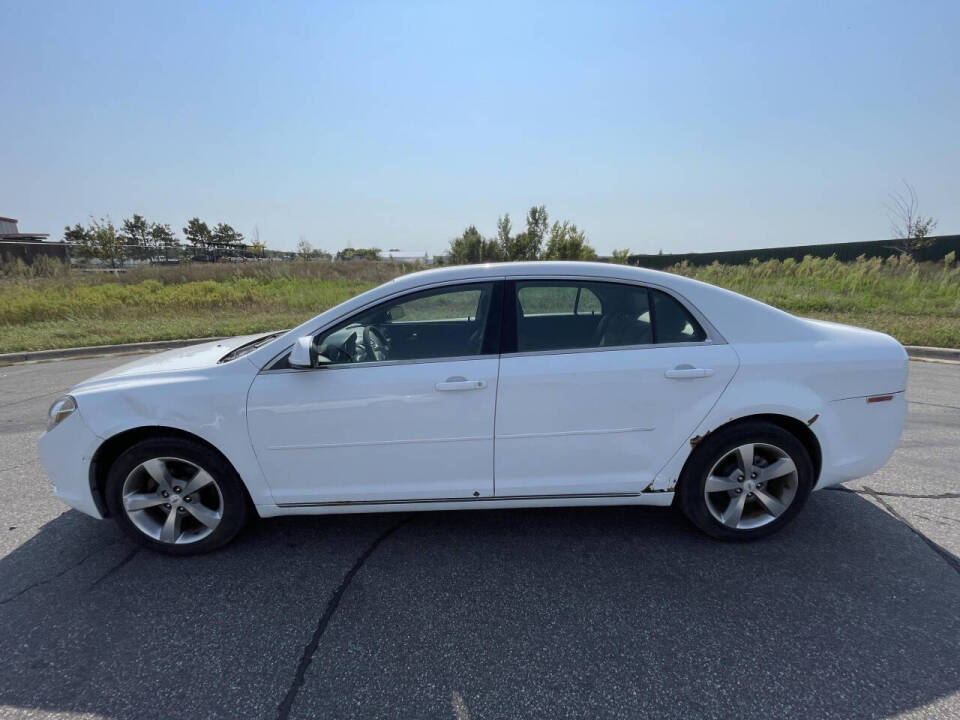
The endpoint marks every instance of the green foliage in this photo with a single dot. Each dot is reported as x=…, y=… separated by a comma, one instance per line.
x=46, y=305
x=472, y=247
x=163, y=241
x=198, y=234
x=135, y=234
x=536, y=231
x=568, y=243
x=225, y=241
x=359, y=254
x=918, y=303
x=911, y=230
x=525, y=245
x=78, y=237
x=99, y=240
x=621, y=257
x=43, y=266
x=165, y=302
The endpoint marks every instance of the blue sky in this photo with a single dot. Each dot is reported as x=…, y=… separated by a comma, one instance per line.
x=674, y=126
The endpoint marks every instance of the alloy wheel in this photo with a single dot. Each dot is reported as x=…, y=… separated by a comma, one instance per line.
x=172, y=500
x=751, y=486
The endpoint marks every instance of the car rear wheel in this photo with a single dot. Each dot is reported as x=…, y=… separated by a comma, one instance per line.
x=746, y=481
x=176, y=496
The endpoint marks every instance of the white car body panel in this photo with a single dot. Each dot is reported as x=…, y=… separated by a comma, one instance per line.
x=599, y=422
x=375, y=432
x=769, y=362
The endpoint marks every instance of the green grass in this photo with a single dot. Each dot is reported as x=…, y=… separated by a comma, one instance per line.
x=169, y=303
x=919, y=304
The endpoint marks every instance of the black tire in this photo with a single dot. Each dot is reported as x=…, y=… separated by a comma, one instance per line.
x=234, y=509
x=713, y=448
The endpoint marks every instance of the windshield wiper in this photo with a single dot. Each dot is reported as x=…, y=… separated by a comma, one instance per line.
x=250, y=346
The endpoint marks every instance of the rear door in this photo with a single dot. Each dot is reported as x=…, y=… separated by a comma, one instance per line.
x=599, y=384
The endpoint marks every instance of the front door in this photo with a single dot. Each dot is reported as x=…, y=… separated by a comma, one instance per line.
x=400, y=406
x=600, y=383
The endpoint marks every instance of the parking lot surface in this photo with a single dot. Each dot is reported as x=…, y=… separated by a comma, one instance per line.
x=851, y=612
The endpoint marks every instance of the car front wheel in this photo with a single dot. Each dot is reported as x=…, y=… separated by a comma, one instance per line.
x=176, y=496
x=746, y=481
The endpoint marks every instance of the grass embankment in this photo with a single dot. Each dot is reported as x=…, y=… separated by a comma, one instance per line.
x=171, y=303
x=919, y=304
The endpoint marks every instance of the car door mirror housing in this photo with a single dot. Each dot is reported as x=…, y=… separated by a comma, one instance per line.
x=303, y=354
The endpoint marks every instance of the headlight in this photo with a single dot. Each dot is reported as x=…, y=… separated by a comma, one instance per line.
x=60, y=410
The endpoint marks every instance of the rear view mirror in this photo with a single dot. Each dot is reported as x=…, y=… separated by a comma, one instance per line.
x=303, y=355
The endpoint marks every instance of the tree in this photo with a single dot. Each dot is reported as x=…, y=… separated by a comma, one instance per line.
x=198, y=235
x=621, y=257
x=472, y=247
x=99, y=240
x=107, y=244
x=225, y=239
x=568, y=243
x=304, y=248
x=163, y=241
x=135, y=234
x=359, y=254
x=910, y=229
x=504, y=239
x=526, y=245
x=80, y=241
x=257, y=246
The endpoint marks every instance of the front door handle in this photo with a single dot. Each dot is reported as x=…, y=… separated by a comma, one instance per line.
x=688, y=371
x=460, y=383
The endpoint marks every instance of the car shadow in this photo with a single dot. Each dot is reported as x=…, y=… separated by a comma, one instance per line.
x=536, y=613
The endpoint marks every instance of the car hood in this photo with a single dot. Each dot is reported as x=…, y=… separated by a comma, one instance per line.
x=193, y=357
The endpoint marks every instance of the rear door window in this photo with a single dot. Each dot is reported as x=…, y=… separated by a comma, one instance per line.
x=575, y=315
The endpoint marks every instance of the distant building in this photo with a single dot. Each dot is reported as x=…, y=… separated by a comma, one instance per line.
x=406, y=256
x=27, y=246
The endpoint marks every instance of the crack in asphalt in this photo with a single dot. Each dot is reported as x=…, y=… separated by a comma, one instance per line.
x=921, y=402
x=943, y=519
x=951, y=559
x=915, y=496
x=47, y=581
x=286, y=705
x=126, y=558
x=20, y=401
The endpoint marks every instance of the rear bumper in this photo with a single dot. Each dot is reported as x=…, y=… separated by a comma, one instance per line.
x=858, y=437
x=65, y=453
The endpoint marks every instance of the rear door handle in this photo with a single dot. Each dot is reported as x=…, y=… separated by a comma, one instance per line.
x=688, y=371
x=460, y=383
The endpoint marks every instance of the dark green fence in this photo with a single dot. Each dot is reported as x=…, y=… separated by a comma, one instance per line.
x=940, y=246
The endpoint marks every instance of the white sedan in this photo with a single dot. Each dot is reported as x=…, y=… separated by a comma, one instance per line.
x=494, y=386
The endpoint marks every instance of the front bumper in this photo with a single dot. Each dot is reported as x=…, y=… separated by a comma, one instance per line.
x=65, y=453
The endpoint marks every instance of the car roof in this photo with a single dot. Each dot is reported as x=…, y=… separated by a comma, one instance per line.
x=546, y=268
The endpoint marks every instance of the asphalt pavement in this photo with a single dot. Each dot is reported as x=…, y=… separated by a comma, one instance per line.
x=851, y=612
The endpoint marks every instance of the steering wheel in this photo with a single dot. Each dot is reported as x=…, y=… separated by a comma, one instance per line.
x=374, y=342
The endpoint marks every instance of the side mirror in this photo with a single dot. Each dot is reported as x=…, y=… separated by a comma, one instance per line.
x=303, y=354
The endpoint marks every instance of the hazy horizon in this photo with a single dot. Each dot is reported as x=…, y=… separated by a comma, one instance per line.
x=688, y=128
